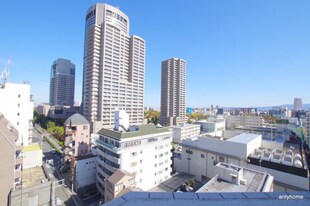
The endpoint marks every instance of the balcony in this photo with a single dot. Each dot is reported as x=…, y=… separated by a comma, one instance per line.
x=19, y=160
x=108, y=145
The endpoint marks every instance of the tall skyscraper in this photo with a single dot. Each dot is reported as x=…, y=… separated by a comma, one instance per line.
x=114, y=65
x=172, y=106
x=297, y=104
x=62, y=83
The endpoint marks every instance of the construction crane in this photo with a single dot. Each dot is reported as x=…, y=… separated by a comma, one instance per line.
x=5, y=72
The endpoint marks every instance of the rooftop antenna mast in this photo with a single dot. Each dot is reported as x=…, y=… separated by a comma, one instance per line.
x=5, y=72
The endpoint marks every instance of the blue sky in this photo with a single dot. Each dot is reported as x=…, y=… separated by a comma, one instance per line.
x=238, y=53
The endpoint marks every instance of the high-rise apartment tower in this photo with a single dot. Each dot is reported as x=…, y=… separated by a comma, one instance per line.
x=114, y=66
x=172, y=106
x=297, y=104
x=62, y=83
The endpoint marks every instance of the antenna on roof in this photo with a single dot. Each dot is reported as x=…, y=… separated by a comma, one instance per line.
x=5, y=73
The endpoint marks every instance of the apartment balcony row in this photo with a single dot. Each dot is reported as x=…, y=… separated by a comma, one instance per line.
x=107, y=145
x=109, y=157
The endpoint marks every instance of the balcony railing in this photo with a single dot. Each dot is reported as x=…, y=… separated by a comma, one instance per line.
x=108, y=145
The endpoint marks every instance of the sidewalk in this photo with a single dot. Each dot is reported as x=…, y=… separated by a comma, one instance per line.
x=43, y=132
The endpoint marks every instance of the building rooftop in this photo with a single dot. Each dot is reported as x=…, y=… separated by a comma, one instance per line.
x=244, y=138
x=186, y=126
x=76, y=119
x=32, y=176
x=142, y=130
x=253, y=182
x=118, y=176
x=212, y=199
x=32, y=147
x=173, y=183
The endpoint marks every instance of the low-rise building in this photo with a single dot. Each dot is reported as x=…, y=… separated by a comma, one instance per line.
x=245, y=121
x=213, y=127
x=199, y=157
x=32, y=156
x=184, y=131
x=83, y=171
x=120, y=183
x=35, y=189
x=232, y=178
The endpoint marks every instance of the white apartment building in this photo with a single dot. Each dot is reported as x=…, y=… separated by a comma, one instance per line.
x=114, y=68
x=17, y=106
x=62, y=83
x=144, y=151
x=184, y=131
x=283, y=161
x=172, y=103
x=245, y=121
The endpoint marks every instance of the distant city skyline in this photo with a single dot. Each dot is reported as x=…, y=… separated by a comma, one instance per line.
x=238, y=53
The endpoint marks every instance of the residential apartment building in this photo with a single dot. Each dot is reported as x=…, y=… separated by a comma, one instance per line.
x=114, y=68
x=144, y=151
x=184, y=131
x=244, y=121
x=17, y=106
x=77, y=152
x=297, y=104
x=77, y=137
x=11, y=161
x=172, y=105
x=62, y=83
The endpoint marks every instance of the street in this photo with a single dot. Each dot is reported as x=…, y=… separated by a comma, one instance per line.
x=52, y=162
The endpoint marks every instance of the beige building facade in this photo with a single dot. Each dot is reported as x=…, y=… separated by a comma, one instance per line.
x=114, y=68
x=172, y=105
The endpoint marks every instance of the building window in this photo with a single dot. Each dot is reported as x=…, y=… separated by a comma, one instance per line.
x=133, y=164
x=221, y=159
x=133, y=154
x=202, y=155
x=18, y=114
x=84, y=127
x=140, y=161
x=189, y=152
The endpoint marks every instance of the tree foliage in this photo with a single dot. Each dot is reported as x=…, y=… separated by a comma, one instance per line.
x=152, y=116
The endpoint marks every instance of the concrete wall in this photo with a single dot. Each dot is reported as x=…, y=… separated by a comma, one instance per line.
x=149, y=161
x=32, y=159
x=7, y=160
x=285, y=178
x=236, y=149
x=85, y=172
x=17, y=107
